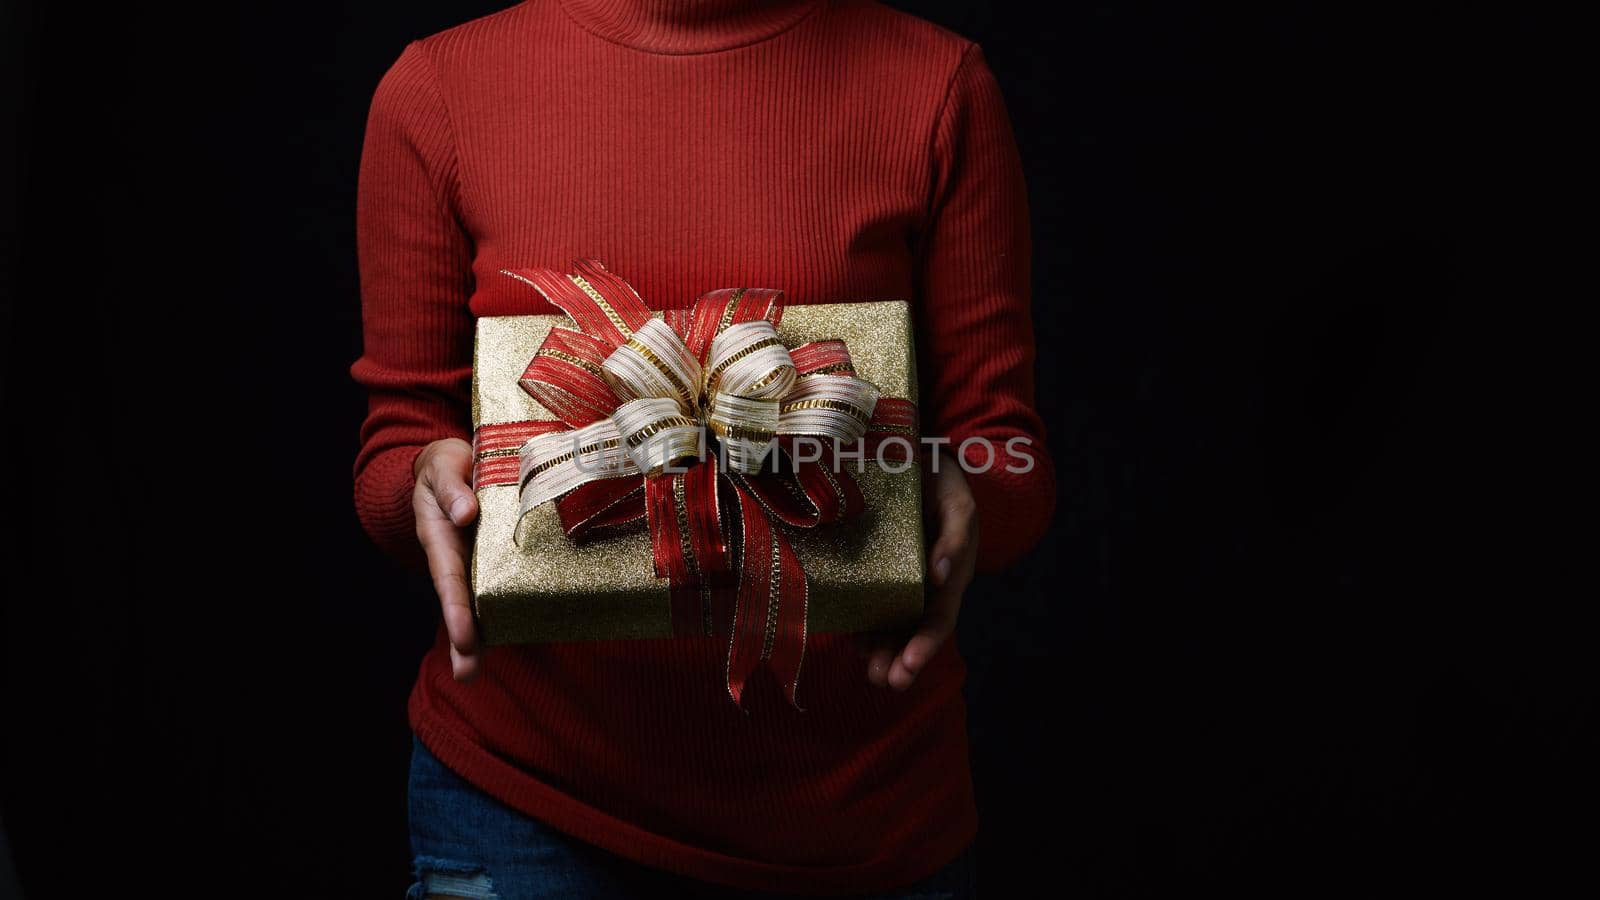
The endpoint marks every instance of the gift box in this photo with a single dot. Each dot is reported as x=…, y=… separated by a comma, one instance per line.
x=739, y=469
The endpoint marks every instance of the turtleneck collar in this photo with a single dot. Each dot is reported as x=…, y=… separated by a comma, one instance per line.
x=688, y=26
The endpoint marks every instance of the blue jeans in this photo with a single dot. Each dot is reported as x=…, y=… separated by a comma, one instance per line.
x=465, y=843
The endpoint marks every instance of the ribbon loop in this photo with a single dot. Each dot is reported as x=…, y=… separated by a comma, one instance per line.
x=822, y=358
x=718, y=309
x=653, y=362
x=566, y=377
x=657, y=434
x=832, y=407
x=749, y=360
x=552, y=465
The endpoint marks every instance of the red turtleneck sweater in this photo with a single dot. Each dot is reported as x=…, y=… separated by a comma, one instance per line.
x=837, y=149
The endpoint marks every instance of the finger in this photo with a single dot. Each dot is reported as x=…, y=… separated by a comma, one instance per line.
x=446, y=562
x=955, y=536
x=949, y=569
x=445, y=476
x=938, y=623
x=953, y=557
x=464, y=668
x=958, y=516
x=445, y=547
x=452, y=493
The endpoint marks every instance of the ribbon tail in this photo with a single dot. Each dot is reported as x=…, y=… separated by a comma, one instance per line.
x=788, y=646
x=605, y=504
x=602, y=304
x=806, y=495
x=689, y=545
x=770, y=605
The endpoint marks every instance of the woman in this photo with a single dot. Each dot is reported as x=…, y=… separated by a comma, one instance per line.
x=836, y=149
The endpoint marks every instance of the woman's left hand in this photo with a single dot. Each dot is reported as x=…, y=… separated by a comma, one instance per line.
x=950, y=565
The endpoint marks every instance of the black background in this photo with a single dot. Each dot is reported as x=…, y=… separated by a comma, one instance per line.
x=1295, y=628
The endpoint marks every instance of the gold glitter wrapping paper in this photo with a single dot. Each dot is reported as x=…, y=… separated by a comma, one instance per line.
x=864, y=574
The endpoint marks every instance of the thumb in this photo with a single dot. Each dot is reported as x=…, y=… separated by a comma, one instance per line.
x=447, y=478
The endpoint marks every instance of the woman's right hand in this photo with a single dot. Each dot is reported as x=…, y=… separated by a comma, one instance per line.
x=445, y=506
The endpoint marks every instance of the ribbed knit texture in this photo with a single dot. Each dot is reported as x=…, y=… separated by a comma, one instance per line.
x=838, y=150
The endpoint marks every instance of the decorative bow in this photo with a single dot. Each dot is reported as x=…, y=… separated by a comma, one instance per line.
x=636, y=395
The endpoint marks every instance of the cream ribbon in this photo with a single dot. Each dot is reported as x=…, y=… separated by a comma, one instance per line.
x=748, y=394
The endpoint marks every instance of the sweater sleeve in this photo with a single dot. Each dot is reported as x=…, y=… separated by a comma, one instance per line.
x=975, y=329
x=415, y=265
